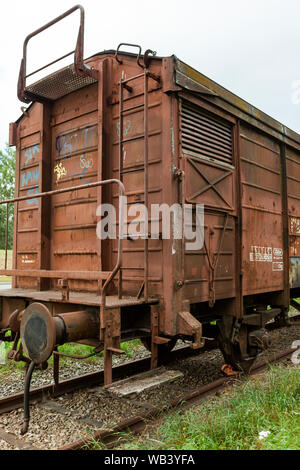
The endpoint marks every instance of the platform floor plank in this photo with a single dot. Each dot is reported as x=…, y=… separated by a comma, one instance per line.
x=81, y=298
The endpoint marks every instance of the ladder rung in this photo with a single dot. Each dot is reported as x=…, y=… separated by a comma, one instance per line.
x=130, y=109
x=127, y=80
x=132, y=138
x=125, y=172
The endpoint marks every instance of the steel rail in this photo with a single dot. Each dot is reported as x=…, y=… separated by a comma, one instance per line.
x=15, y=401
x=136, y=424
x=97, y=378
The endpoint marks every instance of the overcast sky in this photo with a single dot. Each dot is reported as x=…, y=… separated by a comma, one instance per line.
x=249, y=46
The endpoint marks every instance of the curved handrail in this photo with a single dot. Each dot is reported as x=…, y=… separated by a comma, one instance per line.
x=88, y=186
x=130, y=45
x=79, y=65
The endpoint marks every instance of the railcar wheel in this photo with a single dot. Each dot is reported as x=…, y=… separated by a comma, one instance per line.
x=237, y=352
x=162, y=348
x=233, y=356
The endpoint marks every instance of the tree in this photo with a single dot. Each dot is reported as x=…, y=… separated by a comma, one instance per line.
x=7, y=185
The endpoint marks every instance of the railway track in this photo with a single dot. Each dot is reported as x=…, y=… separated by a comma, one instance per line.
x=215, y=149
x=122, y=371
x=135, y=424
x=97, y=378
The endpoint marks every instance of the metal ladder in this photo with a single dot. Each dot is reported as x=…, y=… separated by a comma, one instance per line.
x=125, y=84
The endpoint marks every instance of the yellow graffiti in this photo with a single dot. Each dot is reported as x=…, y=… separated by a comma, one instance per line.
x=60, y=171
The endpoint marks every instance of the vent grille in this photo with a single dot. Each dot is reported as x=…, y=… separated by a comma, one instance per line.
x=205, y=135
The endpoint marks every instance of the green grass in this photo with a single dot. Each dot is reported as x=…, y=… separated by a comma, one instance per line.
x=2, y=264
x=234, y=420
x=2, y=259
x=74, y=349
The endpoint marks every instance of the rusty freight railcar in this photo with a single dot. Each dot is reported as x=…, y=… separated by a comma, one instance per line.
x=158, y=132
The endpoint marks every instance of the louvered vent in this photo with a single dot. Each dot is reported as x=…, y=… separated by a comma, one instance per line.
x=205, y=135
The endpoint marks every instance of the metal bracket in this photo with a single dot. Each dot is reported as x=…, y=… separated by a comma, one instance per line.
x=188, y=325
x=260, y=318
x=160, y=340
x=235, y=331
x=65, y=291
x=177, y=173
x=147, y=59
x=179, y=284
x=116, y=351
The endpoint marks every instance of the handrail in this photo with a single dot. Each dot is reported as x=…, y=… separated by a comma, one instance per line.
x=146, y=58
x=80, y=67
x=109, y=276
x=131, y=45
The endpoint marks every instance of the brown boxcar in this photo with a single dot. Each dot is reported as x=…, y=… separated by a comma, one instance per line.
x=165, y=134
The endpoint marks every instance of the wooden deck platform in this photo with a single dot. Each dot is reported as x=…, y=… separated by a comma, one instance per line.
x=80, y=298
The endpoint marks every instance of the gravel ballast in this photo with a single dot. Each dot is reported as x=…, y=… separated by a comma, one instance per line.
x=76, y=415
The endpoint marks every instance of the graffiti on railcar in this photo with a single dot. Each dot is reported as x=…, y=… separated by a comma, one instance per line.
x=126, y=128
x=31, y=177
x=60, y=171
x=81, y=139
x=30, y=153
x=295, y=226
x=86, y=162
x=31, y=192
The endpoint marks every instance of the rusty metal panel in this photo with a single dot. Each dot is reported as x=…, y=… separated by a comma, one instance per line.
x=208, y=160
x=132, y=168
x=75, y=162
x=28, y=174
x=293, y=191
x=201, y=284
x=209, y=183
x=209, y=179
x=12, y=141
x=73, y=127
x=263, y=267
